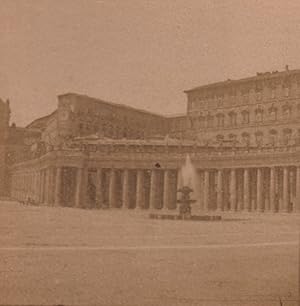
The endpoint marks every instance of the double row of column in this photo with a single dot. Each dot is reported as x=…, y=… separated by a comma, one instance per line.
x=24, y=185
x=127, y=188
x=44, y=188
x=253, y=189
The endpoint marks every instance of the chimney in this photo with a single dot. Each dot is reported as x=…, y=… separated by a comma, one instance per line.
x=286, y=67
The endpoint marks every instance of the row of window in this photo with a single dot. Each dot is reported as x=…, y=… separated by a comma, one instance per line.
x=243, y=117
x=259, y=91
x=273, y=137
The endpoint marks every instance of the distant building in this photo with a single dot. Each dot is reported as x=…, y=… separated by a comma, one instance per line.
x=261, y=110
x=243, y=137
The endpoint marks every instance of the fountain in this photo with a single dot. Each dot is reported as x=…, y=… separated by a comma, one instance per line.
x=189, y=181
x=185, y=209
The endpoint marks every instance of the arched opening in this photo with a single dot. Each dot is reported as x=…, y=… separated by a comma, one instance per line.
x=286, y=111
x=287, y=136
x=245, y=116
x=259, y=137
x=232, y=118
x=259, y=112
x=273, y=137
x=210, y=120
x=246, y=138
x=273, y=112
x=220, y=119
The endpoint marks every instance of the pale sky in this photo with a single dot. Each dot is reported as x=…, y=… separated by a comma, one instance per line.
x=143, y=53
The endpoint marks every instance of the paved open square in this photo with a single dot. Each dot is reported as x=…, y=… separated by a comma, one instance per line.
x=51, y=256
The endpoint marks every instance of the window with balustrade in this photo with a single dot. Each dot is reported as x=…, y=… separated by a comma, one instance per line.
x=210, y=120
x=273, y=137
x=259, y=138
x=286, y=136
x=245, y=117
x=232, y=118
x=220, y=120
x=273, y=113
x=286, y=111
x=259, y=115
x=246, y=139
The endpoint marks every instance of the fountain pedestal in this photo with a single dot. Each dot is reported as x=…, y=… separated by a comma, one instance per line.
x=185, y=209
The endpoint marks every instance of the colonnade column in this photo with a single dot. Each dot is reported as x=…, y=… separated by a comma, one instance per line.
x=112, y=188
x=206, y=190
x=140, y=190
x=285, y=195
x=219, y=190
x=47, y=184
x=36, y=186
x=125, y=189
x=80, y=195
x=166, y=191
x=153, y=188
x=42, y=186
x=259, y=186
x=99, y=191
x=246, y=190
x=57, y=189
x=272, y=189
x=233, y=189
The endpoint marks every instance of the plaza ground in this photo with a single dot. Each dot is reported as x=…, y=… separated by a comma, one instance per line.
x=51, y=256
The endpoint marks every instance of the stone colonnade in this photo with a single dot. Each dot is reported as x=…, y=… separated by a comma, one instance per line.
x=97, y=188
x=261, y=189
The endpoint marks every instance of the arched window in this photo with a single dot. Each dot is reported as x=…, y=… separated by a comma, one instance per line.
x=220, y=100
x=258, y=90
x=259, y=112
x=259, y=138
x=273, y=137
x=201, y=121
x=193, y=122
x=273, y=92
x=297, y=137
x=273, y=112
x=210, y=120
x=298, y=110
x=286, y=91
x=245, y=116
x=220, y=119
x=232, y=118
x=246, y=138
x=287, y=136
x=286, y=111
x=219, y=138
x=286, y=87
x=245, y=95
x=233, y=138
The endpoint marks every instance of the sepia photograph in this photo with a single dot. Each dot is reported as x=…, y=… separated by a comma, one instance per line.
x=149, y=152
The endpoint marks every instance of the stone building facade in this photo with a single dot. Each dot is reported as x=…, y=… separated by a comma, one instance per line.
x=258, y=111
x=80, y=115
x=241, y=136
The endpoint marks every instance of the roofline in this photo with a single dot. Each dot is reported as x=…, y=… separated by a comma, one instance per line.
x=173, y=116
x=41, y=118
x=259, y=76
x=124, y=106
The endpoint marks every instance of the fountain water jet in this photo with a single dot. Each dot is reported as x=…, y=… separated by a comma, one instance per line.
x=188, y=183
x=188, y=177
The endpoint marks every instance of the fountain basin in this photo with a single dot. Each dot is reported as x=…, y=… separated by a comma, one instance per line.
x=181, y=217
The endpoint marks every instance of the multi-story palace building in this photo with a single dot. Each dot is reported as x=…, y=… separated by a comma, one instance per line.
x=242, y=137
